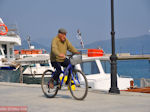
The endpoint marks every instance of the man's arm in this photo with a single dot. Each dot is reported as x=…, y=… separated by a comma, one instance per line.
x=54, y=47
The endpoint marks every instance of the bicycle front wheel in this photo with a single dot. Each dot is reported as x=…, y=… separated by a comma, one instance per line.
x=45, y=85
x=78, y=85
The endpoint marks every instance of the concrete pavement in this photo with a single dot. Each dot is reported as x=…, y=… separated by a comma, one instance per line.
x=97, y=101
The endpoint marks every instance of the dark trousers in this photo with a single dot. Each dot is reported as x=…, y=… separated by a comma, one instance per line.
x=57, y=66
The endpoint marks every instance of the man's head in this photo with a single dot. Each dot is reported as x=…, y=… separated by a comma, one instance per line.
x=62, y=34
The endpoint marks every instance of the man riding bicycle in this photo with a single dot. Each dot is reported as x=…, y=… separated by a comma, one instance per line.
x=59, y=46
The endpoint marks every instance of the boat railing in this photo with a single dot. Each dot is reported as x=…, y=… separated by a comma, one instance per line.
x=12, y=30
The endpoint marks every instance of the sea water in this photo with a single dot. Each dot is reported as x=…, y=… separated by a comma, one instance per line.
x=136, y=69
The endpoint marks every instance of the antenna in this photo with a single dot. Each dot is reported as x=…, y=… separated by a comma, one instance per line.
x=80, y=38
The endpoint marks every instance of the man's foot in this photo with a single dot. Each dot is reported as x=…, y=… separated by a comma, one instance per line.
x=51, y=83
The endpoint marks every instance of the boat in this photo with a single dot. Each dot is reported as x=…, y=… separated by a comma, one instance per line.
x=35, y=69
x=97, y=71
x=9, y=69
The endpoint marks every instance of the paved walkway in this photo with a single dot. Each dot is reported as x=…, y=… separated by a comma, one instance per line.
x=96, y=101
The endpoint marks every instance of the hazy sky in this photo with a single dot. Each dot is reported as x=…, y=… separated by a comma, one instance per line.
x=42, y=18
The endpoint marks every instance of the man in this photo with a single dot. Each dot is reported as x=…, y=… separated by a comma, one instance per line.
x=59, y=46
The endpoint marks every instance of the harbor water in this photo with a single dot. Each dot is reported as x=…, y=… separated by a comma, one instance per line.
x=136, y=69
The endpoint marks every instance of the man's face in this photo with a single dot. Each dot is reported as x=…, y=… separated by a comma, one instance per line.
x=62, y=37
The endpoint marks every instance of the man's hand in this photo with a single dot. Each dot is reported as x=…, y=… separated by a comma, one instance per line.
x=62, y=56
x=77, y=53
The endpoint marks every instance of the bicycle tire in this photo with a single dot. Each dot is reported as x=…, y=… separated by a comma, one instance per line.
x=48, y=92
x=79, y=89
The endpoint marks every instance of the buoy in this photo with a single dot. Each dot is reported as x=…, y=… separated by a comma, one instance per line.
x=1, y=29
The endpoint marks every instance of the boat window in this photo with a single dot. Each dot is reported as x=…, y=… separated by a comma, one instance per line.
x=44, y=64
x=4, y=47
x=90, y=68
x=106, y=66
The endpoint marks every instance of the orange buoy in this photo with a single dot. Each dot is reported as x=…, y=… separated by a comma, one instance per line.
x=1, y=29
x=95, y=52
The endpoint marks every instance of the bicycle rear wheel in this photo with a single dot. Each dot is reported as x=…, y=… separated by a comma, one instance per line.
x=48, y=92
x=78, y=85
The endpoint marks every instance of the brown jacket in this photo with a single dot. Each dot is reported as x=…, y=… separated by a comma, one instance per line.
x=58, y=47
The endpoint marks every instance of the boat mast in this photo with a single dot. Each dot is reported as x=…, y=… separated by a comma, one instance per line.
x=80, y=38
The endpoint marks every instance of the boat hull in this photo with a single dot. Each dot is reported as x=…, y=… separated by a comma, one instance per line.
x=10, y=75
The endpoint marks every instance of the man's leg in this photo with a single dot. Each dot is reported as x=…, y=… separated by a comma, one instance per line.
x=65, y=64
x=57, y=66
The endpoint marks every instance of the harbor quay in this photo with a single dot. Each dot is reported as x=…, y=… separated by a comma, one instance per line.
x=31, y=96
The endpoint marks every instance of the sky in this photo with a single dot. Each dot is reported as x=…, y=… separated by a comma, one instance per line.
x=41, y=19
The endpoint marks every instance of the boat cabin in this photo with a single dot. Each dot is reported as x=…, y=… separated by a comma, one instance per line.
x=97, y=71
x=8, y=40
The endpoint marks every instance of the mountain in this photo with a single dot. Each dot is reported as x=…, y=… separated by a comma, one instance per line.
x=133, y=45
x=35, y=44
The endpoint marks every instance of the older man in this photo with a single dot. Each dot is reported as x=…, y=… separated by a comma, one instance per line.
x=59, y=46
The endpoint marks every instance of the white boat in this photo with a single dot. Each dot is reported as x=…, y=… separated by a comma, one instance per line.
x=97, y=71
x=34, y=71
x=7, y=43
x=35, y=68
x=9, y=71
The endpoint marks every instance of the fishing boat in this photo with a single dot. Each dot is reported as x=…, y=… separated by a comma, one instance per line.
x=35, y=69
x=96, y=67
x=9, y=69
x=37, y=60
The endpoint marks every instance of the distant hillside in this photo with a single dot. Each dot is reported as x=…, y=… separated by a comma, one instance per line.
x=133, y=45
x=35, y=44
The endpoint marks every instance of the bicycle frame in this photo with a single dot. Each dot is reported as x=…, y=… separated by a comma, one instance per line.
x=66, y=72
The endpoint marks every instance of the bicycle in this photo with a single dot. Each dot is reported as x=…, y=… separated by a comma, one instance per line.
x=78, y=84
